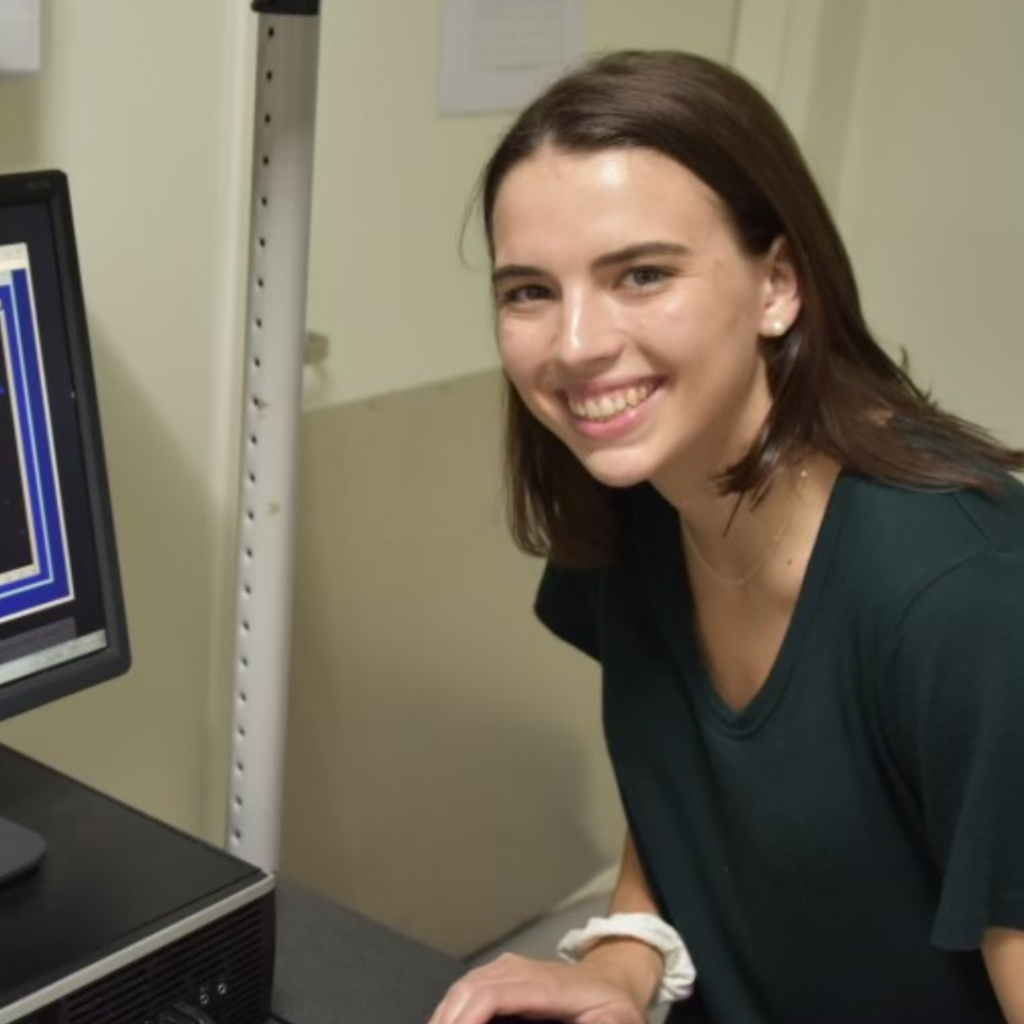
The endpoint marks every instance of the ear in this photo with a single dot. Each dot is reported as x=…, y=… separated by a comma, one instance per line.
x=782, y=299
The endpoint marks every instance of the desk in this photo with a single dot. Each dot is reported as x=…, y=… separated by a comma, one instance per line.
x=335, y=967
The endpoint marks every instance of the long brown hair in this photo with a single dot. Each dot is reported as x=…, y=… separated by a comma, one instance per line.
x=834, y=389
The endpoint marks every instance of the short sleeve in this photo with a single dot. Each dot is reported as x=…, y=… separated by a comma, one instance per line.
x=568, y=604
x=954, y=708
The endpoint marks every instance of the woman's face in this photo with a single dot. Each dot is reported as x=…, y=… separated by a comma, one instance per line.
x=629, y=316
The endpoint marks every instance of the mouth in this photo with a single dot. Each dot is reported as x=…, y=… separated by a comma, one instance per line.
x=600, y=408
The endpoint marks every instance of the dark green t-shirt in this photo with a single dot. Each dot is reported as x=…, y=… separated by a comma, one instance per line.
x=834, y=851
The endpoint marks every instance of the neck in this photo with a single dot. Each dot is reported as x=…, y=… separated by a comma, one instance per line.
x=732, y=543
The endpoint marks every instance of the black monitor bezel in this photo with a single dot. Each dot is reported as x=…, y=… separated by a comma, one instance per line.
x=51, y=188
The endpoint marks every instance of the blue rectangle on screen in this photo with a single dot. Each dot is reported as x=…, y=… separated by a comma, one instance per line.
x=49, y=582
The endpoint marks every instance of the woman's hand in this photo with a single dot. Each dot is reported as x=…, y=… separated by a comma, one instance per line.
x=589, y=992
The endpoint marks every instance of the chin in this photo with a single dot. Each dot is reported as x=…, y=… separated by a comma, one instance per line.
x=615, y=473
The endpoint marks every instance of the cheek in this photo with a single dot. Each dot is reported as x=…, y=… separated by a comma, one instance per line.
x=672, y=331
x=524, y=364
x=519, y=352
x=722, y=324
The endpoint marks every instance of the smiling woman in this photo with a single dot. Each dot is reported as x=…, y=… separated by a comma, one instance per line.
x=833, y=386
x=634, y=339
x=800, y=576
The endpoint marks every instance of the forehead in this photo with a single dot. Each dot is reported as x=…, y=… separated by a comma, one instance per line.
x=609, y=198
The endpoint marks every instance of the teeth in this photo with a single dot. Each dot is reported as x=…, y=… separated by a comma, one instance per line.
x=610, y=405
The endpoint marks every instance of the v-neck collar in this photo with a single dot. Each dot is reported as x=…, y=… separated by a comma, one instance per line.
x=678, y=621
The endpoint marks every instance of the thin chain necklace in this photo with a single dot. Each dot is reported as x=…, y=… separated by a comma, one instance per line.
x=762, y=561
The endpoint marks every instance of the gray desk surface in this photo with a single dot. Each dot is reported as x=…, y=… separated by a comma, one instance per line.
x=335, y=967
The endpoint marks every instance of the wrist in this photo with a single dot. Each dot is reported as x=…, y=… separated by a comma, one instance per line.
x=677, y=971
x=631, y=964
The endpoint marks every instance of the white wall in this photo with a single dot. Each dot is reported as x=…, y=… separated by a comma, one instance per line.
x=931, y=197
x=912, y=116
x=145, y=106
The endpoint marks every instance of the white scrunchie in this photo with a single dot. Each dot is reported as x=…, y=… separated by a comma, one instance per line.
x=679, y=973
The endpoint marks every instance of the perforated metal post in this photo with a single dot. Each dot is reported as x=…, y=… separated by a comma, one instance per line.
x=282, y=171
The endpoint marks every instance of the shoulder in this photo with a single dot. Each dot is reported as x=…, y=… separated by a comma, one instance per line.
x=998, y=519
x=901, y=547
x=948, y=685
x=953, y=517
x=970, y=617
x=953, y=653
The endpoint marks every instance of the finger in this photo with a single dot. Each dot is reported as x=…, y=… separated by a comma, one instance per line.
x=495, y=990
x=466, y=1002
x=467, y=1007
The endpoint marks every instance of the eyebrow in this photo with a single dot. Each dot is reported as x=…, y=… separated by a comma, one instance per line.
x=514, y=270
x=641, y=250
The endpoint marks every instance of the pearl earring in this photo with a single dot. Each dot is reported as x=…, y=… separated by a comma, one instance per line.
x=778, y=328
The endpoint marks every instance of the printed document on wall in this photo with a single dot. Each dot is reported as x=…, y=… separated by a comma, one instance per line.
x=496, y=55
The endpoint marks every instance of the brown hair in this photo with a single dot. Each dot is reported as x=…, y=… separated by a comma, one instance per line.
x=834, y=389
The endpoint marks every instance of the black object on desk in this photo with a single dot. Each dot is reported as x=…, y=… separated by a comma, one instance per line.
x=126, y=917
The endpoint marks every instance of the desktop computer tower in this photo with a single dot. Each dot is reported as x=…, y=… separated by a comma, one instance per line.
x=127, y=920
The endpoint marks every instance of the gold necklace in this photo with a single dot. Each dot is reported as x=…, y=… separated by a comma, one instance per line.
x=762, y=561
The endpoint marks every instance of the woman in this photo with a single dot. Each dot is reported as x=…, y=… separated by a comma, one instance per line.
x=803, y=580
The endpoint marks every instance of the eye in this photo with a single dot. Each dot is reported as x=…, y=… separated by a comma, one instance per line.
x=522, y=295
x=645, y=278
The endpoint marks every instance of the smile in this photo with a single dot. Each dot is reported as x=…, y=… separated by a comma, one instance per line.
x=606, y=406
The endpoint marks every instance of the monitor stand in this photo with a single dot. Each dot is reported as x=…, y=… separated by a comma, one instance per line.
x=21, y=850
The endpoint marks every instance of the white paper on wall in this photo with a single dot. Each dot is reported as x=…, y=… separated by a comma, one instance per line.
x=19, y=37
x=496, y=55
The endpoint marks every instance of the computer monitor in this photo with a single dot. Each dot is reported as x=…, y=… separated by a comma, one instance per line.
x=62, y=621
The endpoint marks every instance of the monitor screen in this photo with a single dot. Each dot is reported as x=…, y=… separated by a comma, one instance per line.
x=62, y=622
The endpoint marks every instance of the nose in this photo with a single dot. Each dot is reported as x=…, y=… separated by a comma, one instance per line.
x=587, y=332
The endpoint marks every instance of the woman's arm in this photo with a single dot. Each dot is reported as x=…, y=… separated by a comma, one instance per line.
x=612, y=984
x=640, y=966
x=1003, y=950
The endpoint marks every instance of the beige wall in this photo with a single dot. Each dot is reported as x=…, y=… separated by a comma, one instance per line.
x=387, y=285
x=144, y=106
x=445, y=771
x=910, y=113
x=930, y=197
